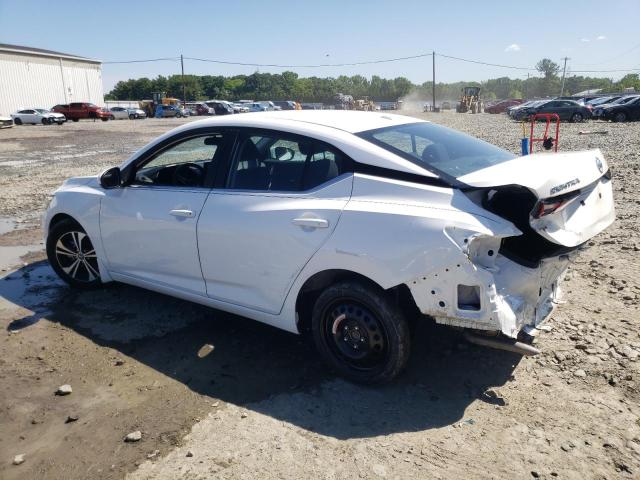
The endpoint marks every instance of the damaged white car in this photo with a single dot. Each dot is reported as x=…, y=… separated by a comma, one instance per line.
x=347, y=225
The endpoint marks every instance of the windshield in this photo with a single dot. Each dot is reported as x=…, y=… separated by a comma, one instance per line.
x=438, y=149
x=597, y=101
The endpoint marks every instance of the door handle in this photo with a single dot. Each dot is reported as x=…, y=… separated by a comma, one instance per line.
x=311, y=222
x=181, y=213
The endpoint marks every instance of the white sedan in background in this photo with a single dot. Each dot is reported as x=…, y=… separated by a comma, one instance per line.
x=123, y=113
x=37, y=116
x=348, y=226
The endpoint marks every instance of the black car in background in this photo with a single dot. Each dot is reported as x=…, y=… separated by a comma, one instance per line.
x=621, y=112
x=567, y=110
x=599, y=111
x=220, y=108
x=285, y=104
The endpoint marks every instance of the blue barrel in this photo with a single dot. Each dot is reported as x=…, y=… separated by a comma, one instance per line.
x=525, y=146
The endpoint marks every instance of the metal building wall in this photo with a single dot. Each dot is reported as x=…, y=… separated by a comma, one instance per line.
x=42, y=82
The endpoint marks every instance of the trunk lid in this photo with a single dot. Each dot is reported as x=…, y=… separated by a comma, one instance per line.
x=574, y=192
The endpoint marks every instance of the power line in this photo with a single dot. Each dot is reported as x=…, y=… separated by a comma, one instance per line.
x=256, y=64
x=143, y=61
x=485, y=63
x=350, y=64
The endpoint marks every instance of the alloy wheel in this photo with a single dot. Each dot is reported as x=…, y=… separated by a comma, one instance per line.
x=77, y=257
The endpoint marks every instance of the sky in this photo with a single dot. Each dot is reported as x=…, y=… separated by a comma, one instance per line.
x=593, y=36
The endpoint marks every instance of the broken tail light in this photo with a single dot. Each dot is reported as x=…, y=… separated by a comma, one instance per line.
x=552, y=205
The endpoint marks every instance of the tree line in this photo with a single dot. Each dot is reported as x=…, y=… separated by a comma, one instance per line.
x=289, y=86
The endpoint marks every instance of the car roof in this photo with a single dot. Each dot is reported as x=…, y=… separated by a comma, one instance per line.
x=348, y=121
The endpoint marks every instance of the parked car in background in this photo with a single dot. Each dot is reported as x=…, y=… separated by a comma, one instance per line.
x=135, y=113
x=168, y=111
x=201, y=108
x=240, y=107
x=512, y=111
x=79, y=110
x=270, y=106
x=119, y=113
x=295, y=221
x=285, y=104
x=6, y=122
x=37, y=116
x=501, y=106
x=599, y=110
x=567, y=110
x=256, y=107
x=219, y=107
x=622, y=112
x=593, y=103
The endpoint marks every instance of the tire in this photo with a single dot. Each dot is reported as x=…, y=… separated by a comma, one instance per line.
x=132, y=117
x=620, y=117
x=178, y=115
x=75, y=119
x=46, y=121
x=105, y=119
x=17, y=121
x=360, y=333
x=577, y=117
x=76, y=266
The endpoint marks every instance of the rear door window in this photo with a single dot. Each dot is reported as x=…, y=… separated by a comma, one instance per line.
x=283, y=163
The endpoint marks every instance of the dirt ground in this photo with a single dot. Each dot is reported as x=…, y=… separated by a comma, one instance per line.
x=261, y=404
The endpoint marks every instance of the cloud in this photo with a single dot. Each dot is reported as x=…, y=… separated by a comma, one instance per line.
x=514, y=47
x=601, y=37
x=584, y=40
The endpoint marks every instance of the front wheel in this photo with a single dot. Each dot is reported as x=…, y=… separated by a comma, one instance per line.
x=132, y=116
x=45, y=121
x=577, y=117
x=17, y=121
x=361, y=333
x=72, y=255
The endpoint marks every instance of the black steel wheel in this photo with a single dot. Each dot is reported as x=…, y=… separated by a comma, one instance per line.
x=361, y=333
x=72, y=255
x=17, y=121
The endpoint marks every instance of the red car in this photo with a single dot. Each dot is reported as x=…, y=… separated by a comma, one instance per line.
x=502, y=106
x=78, y=110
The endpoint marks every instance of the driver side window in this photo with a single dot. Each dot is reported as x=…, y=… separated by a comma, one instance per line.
x=185, y=164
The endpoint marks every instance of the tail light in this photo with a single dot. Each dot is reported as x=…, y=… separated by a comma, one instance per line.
x=553, y=205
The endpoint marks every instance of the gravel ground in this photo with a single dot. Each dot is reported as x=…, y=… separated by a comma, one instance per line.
x=261, y=405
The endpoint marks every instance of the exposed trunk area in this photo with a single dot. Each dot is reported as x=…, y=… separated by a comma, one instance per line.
x=515, y=203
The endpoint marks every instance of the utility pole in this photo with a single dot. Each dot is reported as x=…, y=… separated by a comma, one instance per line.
x=433, y=91
x=564, y=72
x=184, y=95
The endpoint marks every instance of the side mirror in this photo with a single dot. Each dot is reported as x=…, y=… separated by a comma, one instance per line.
x=111, y=178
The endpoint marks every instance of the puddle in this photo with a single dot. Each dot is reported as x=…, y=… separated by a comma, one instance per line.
x=10, y=256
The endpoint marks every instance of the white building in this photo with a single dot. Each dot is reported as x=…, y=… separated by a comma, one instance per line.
x=37, y=78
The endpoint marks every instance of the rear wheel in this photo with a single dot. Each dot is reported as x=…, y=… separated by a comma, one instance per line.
x=361, y=333
x=72, y=255
x=577, y=117
x=620, y=117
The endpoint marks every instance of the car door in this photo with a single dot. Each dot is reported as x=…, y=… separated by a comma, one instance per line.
x=148, y=226
x=282, y=200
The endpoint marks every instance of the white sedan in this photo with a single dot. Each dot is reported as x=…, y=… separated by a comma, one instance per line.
x=37, y=116
x=348, y=226
x=122, y=113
